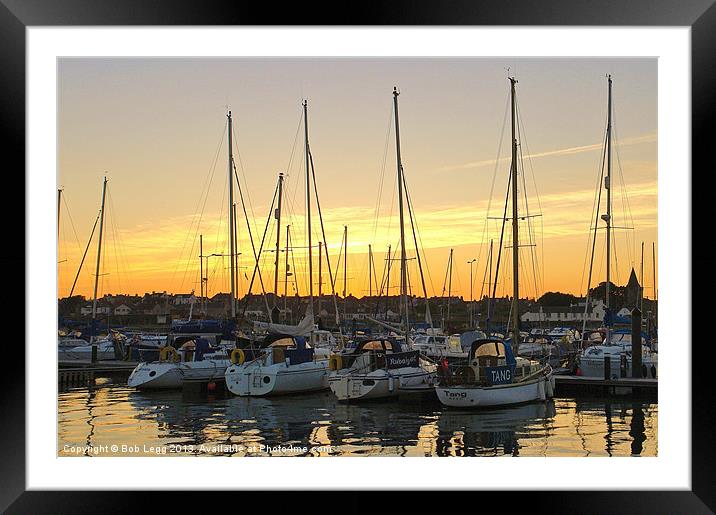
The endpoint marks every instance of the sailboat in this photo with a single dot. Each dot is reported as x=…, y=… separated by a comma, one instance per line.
x=288, y=363
x=385, y=367
x=434, y=344
x=615, y=345
x=105, y=348
x=493, y=374
x=193, y=352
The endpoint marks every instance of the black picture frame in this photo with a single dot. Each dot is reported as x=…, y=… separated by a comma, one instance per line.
x=17, y=15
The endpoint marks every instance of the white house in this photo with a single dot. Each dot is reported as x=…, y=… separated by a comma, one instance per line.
x=122, y=309
x=101, y=310
x=355, y=316
x=390, y=315
x=573, y=313
x=183, y=298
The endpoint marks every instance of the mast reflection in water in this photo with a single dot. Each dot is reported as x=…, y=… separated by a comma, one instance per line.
x=92, y=421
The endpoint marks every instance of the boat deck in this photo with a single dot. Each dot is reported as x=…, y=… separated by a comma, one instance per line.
x=620, y=386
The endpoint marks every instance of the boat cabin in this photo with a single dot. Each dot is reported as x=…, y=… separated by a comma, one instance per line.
x=490, y=362
x=292, y=350
x=373, y=354
x=438, y=345
x=322, y=338
x=197, y=349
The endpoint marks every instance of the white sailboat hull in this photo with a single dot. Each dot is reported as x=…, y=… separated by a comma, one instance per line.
x=169, y=375
x=380, y=384
x=472, y=396
x=156, y=375
x=594, y=367
x=254, y=380
x=105, y=351
x=68, y=343
x=205, y=370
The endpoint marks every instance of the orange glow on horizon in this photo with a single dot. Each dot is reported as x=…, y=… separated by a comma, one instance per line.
x=165, y=148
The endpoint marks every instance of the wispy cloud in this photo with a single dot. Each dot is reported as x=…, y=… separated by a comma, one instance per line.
x=647, y=138
x=164, y=254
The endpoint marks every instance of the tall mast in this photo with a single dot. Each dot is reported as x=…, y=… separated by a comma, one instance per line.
x=285, y=286
x=99, y=254
x=231, y=219
x=449, y=285
x=278, y=236
x=515, y=231
x=345, y=269
x=345, y=260
x=320, y=275
x=491, y=242
x=403, y=268
x=235, y=258
x=653, y=264
x=370, y=261
x=641, y=278
x=308, y=206
x=489, y=295
x=387, y=280
x=59, y=198
x=201, y=270
x=471, y=305
x=608, y=186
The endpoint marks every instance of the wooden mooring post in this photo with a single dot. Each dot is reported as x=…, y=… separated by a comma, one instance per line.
x=636, y=368
x=67, y=378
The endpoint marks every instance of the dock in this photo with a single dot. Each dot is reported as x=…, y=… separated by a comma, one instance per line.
x=637, y=387
x=83, y=372
x=98, y=366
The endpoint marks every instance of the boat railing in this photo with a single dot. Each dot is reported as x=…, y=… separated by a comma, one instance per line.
x=261, y=358
x=546, y=370
x=376, y=361
x=457, y=374
x=463, y=373
x=369, y=367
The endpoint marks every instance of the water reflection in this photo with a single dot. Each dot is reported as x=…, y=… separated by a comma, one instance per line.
x=317, y=425
x=493, y=432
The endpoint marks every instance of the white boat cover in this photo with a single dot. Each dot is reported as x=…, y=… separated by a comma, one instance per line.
x=303, y=328
x=428, y=315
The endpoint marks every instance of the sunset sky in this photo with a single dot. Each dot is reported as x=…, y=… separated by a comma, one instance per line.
x=157, y=128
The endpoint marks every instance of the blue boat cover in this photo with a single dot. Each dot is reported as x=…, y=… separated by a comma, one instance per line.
x=202, y=346
x=197, y=326
x=509, y=355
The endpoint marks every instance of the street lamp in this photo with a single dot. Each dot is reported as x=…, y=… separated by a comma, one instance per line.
x=471, y=263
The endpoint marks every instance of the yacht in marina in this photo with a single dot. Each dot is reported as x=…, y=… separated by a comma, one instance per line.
x=494, y=374
x=186, y=357
x=379, y=368
x=70, y=342
x=439, y=346
x=609, y=342
x=108, y=348
x=619, y=350
x=554, y=347
x=280, y=364
x=291, y=358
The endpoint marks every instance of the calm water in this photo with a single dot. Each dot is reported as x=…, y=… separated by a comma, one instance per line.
x=93, y=420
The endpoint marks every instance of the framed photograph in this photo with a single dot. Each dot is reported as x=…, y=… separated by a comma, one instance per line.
x=426, y=239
